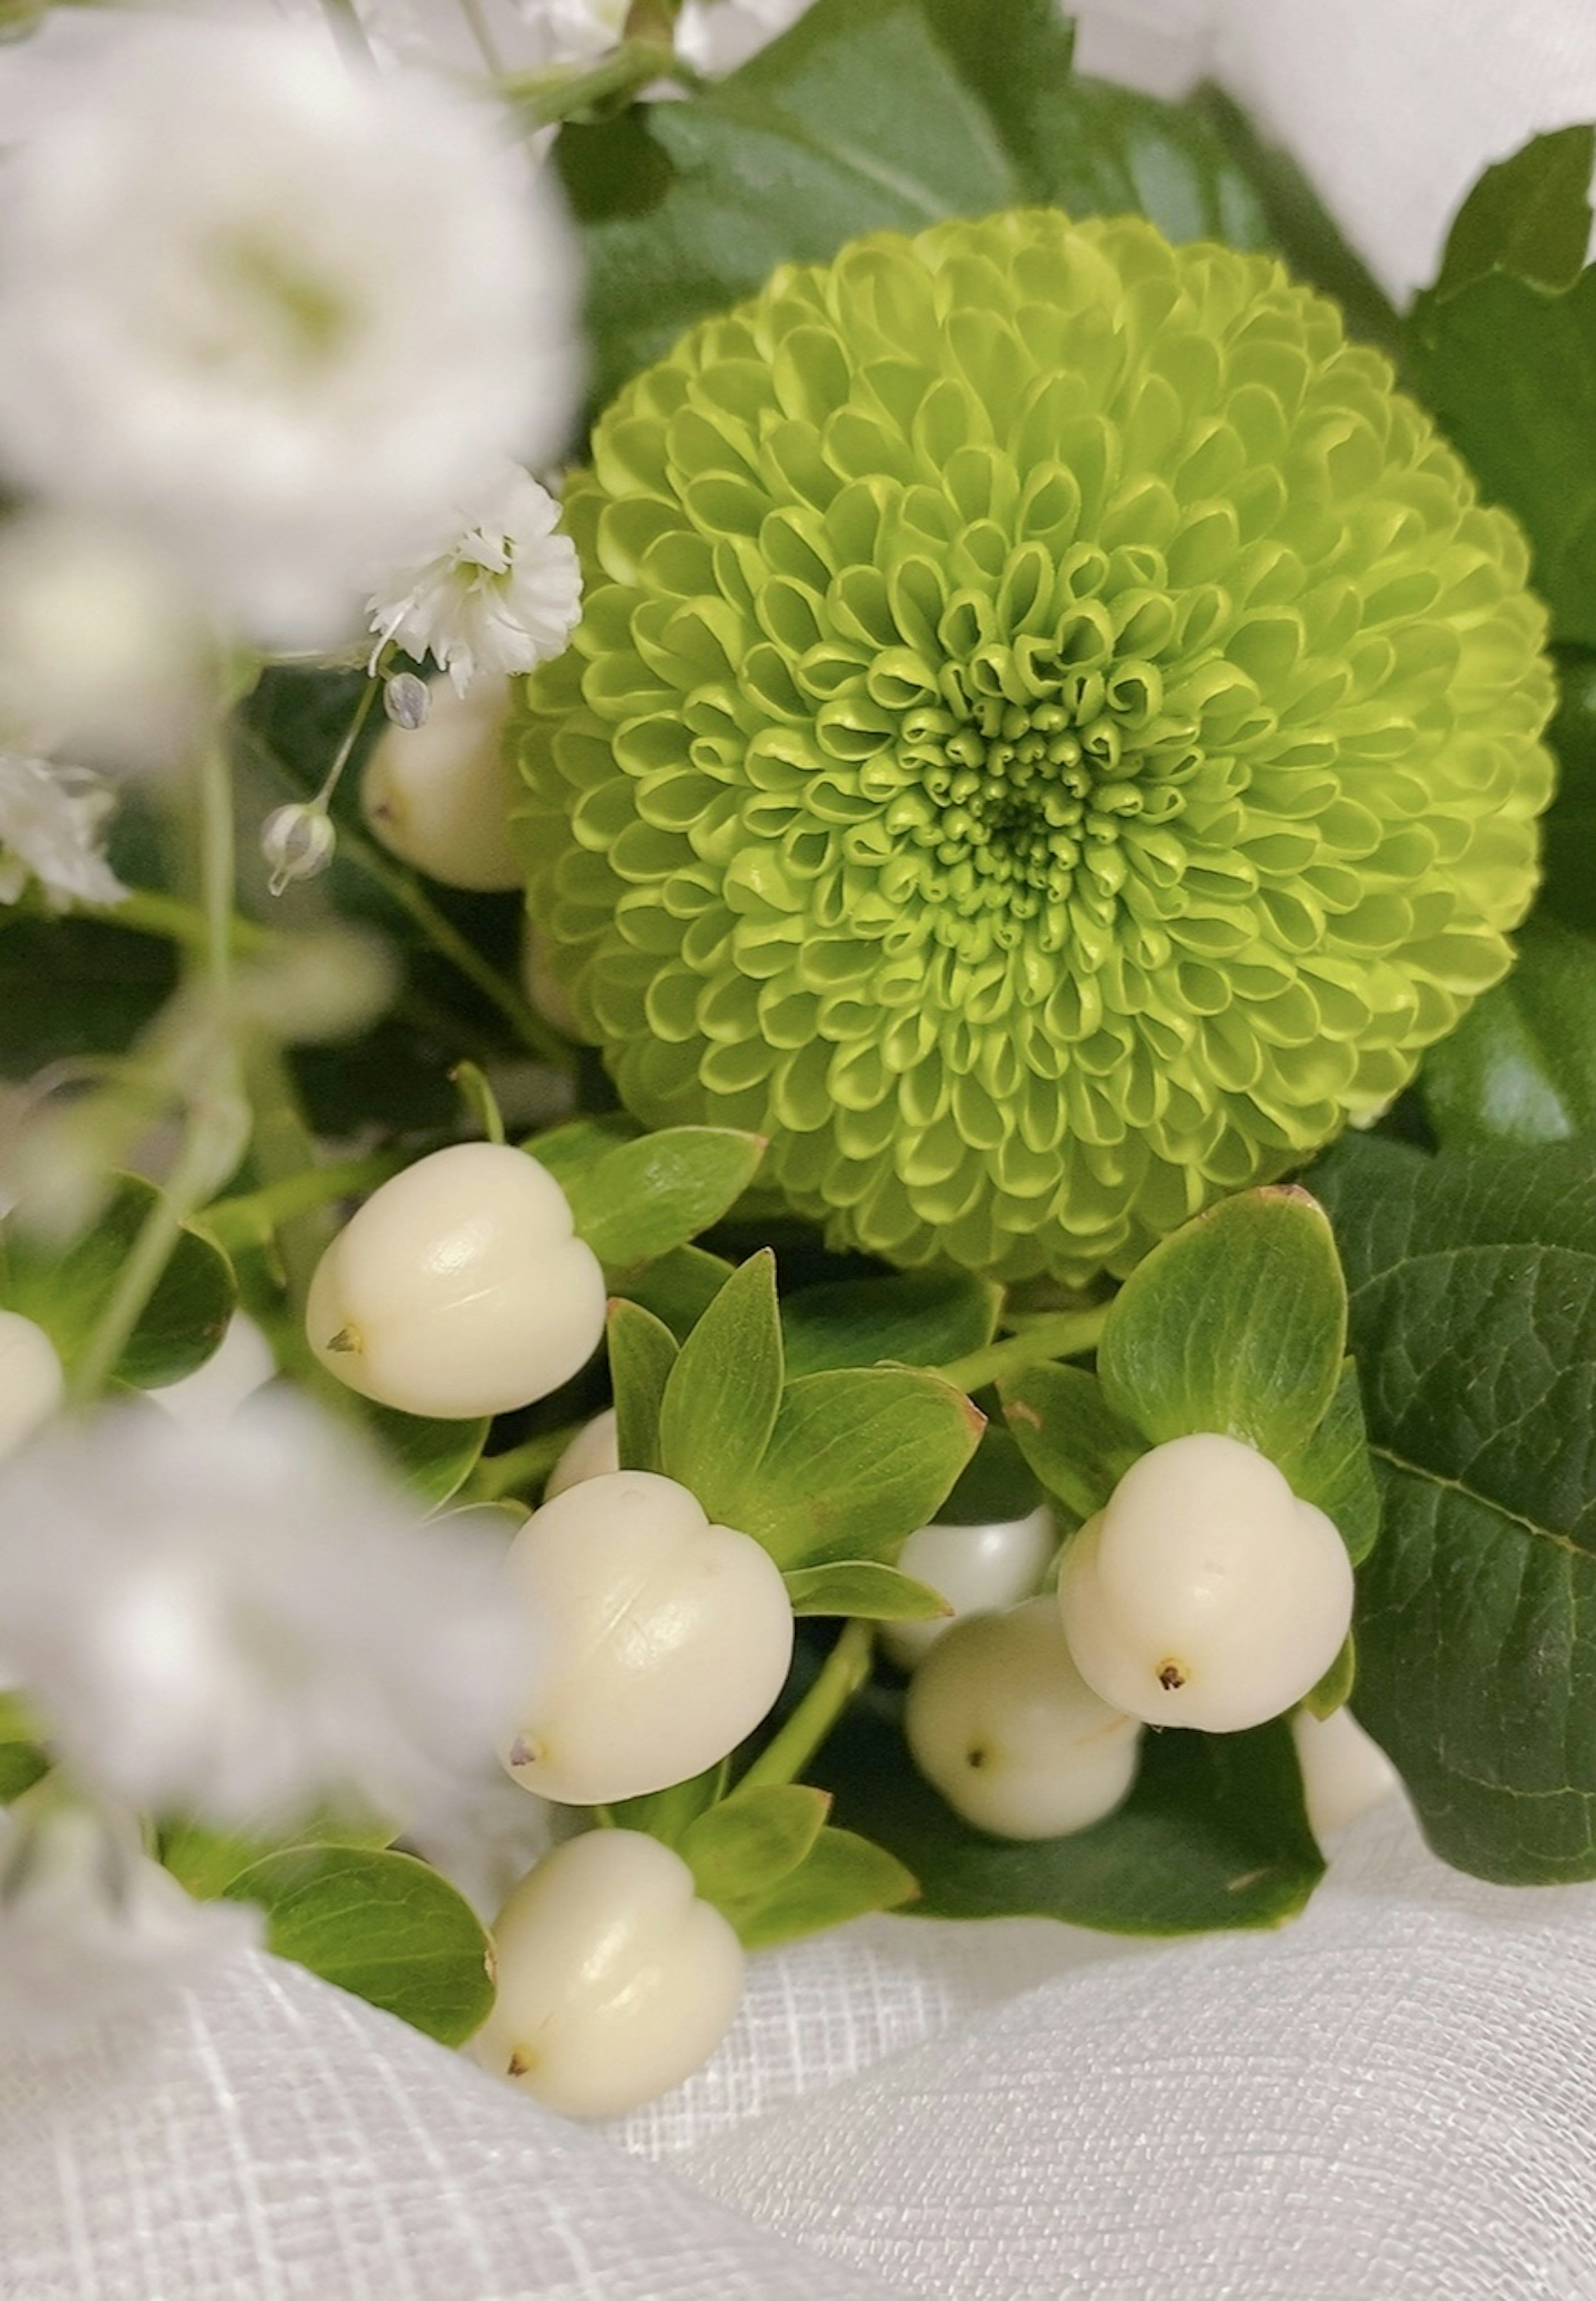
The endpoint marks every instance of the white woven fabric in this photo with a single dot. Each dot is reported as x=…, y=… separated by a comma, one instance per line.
x=1394, y=2101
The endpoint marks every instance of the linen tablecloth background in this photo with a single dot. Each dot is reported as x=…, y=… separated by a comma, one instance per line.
x=1396, y=2098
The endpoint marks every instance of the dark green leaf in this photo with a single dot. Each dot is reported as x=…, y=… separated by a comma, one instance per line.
x=679, y=1288
x=1235, y=1323
x=844, y=1877
x=642, y=1353
x=1568, y=830
x=742, y=1849
x=434, y=1459
x=1331, y=1469
x=1212, y=1837
x=855, y=1463
x=1474, y=1310
x=1529, y=215
x=996, y=1485
x=720, y=1403
x=380, y=1925
x=864, y=1590
x=64, y=1292
x=639, y=1199
x=1520, y=1066
x=667, y=1813
x=923, y=1319
x=22, y=1760
x=1077, y=1445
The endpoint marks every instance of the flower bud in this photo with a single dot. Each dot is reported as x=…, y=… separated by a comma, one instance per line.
x=1000, y=1721
x=297, y=843
x=405, y=701
x=31, y=1382
x=438, y=795
x=661, y=1640
x=459, y=1288
x=1344, y=1771
x=976, y=1568
x=614, y=1980
x=592, y=1453
x=1205, y=1595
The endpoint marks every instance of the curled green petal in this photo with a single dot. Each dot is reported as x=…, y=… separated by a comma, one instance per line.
x=1052, y=737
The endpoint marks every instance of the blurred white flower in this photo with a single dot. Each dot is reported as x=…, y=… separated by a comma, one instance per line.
x=716, y=35
x=102, y=656
x=496, y=588
x=207, y=1399
x=240, y=1622
x=91, y=1929
x=276, y=308
x=576, y=32
x=51, y=820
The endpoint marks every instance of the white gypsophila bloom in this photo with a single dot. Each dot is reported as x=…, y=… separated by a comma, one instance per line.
x=277, y=308
x=494, y=589
x=576, y=31
x=243, y=1622
x=91, y=1929
x=52, y=824
x=104, y=657
x=494, y=35
x=716, y=35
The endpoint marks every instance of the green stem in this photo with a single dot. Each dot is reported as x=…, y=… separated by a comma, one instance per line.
x=285, y=1157
x=143, y=911
x=846, y=1668
x=252, y=1215
x=1070, y=1334
x=525, y=1466
x=543, y=99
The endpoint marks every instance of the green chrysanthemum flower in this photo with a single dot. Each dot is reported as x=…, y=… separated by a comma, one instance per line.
x=1052, y=736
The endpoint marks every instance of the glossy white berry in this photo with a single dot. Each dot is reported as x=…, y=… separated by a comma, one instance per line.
x=458, y=1289
x=438, y=795
x=592, y=1453
x=660, y=1640
x=1000, y=1721
x=31, y=1383
x=614, y=1980
x=1205, y=1595
x=1344, y=1772
x=976, y=1568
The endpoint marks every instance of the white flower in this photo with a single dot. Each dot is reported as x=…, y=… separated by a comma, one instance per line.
x=716, y=35
x=51, y=820
x=497, y=589
x=90, y=1929
x=103, y=656
x=240, y=1622
x=576, y=32
x=277, y=308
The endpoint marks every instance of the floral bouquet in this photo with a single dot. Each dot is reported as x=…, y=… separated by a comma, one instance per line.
x=802, y=1021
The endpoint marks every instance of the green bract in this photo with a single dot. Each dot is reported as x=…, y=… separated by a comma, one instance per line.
x=1052, y=736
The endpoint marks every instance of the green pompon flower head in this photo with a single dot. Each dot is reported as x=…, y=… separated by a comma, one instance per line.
x=1053, y=735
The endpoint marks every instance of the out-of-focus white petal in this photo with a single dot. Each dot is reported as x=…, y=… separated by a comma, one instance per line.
x=51, y=820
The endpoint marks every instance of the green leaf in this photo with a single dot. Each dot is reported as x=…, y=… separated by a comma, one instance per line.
x=1474, y=1315
x=205, y=1861
x=1236, y=1323
x=1509, y=371
x=667, y=1813
x=642, y=1353
x=844, y=1877
x=1213, y=1835
x=720, y=1403
x=870, y=115
x=642, y=1199
x=862, y=1589
x=65, y=1293
x=996, y=1485
x=1520, y=1066
x=1568, y=828
x=856, y=1460
x=923, y=1319
x=679, y=1288
x=1334, y=1689
x=434, y=1459
x=22, y=1760
x=1076, y=1443
x=380, y=1925
x=742, y=1849
x=1331, y=1469
x=568, y=1151
x=1529, y=215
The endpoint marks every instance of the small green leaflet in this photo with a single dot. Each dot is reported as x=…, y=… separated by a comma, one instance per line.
x=1074, y=1442
x=740, y=1850
x=863, y=1589
x=722, y=1394
x=916, y=1318
x=635, y=1196
x=843, y=1876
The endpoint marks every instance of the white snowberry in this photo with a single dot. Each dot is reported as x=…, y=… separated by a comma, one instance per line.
x=976, y=1568
x=459, y=1288
x=614, y=1980
x=1000, y=1719
x=1344, y=1772
x=1206, y=1593
x=438, y=795
x=659, y=1639
x=592, y=1453
x=31, y=1383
